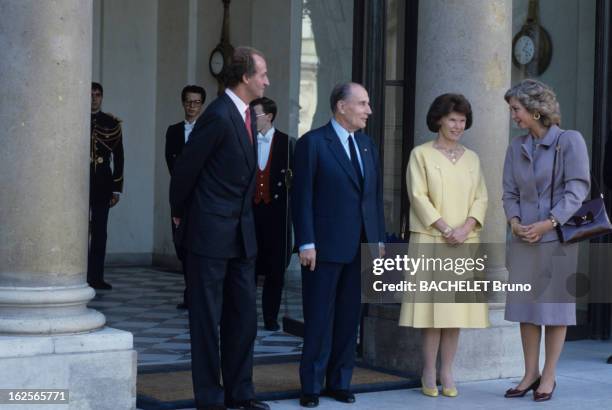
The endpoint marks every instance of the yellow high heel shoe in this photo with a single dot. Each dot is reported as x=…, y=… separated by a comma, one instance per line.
x=452, y=392
x=428, y=391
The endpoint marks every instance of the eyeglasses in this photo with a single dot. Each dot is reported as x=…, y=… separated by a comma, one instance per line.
x=260, y=115
x=192, y=103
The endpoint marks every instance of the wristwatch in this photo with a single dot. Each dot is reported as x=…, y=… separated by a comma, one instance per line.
x=447, y=230
x=553, y=221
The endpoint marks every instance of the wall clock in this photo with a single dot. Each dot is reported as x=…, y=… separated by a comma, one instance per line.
x=532, y=46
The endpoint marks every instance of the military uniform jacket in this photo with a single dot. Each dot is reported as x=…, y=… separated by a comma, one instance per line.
x=106, y=157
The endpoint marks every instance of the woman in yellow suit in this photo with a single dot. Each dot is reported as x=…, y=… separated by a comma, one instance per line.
x=448, y=202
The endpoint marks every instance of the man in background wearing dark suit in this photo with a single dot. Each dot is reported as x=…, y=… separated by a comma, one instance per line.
x=336, y=204
x=192, y=98
x=271, y=208
x=211, y=196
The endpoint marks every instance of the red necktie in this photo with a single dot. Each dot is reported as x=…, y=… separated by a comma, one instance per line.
x=247, y=122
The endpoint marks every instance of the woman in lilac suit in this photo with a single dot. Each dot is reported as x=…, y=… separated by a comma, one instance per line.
x=535, y=254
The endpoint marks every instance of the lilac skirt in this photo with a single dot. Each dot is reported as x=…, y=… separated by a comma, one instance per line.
x=550, y=269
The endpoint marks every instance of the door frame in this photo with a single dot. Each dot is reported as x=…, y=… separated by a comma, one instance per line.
x=597, y=324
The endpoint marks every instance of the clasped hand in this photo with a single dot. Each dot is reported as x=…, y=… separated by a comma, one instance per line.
x=531, y=233
x=457, y=236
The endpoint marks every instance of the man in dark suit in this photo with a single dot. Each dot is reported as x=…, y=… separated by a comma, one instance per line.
x=271, y=208
x=337, y=204
x=192, y=98
x=105, y=182
x=211, y=196
x=607, y=178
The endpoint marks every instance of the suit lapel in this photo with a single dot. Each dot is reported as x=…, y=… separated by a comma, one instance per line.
x=366, y=158
x=338, y=151
x=278, y=153
x=180, y=136
x=176, y=138
x=546, y=155
x=254, y=133
x=528, y=171
x=241, y=132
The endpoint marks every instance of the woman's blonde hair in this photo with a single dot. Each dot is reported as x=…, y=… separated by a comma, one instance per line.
x=539, y=99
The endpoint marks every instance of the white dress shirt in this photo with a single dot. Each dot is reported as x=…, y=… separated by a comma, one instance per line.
x=264, y=143
x=188, y=128
x=344, y=136
x=241, y=105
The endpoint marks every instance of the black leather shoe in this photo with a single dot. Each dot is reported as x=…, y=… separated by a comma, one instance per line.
x=101, y=285
x=249, y=405
x=182, y=306
x=309, y=400
x=343, y=396
x=271, y=326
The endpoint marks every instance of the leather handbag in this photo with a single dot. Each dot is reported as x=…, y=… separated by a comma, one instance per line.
x=590, y=221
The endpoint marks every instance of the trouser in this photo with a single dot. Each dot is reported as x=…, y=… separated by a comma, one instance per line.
x=97, y=245
x=272, y=255
x=331, y=297
x=222, y=317
x=181, y=255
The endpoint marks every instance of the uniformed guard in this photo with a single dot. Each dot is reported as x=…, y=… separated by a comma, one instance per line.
x=105, y=182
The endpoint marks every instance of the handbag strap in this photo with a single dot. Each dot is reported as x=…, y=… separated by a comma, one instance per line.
x=557, y=149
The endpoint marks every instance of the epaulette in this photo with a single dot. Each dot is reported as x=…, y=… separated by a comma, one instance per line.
x=114, y=117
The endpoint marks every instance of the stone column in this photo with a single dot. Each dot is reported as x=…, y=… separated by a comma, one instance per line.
x=45, y=76
x=464, y=47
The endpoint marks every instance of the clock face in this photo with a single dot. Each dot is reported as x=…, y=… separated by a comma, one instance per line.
x=216, y=62
x=524, y=50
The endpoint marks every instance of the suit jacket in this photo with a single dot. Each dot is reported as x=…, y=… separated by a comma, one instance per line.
x=213, y=182
x=527, y=180
x=607, y=166
x=281, y=175
x=432, y=195
x=175, y=141
x=330, y=209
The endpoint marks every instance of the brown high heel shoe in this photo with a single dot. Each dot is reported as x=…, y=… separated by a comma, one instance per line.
x=511, y=393
x=543, y=396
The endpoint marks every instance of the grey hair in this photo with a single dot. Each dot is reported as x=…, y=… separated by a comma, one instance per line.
x=537, y=97
x=341, y=92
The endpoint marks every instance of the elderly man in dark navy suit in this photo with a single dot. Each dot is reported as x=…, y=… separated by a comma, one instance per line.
x=211, y=196
x=336, y=205
x=177, y=135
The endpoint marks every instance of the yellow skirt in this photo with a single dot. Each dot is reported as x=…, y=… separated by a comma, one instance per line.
x=442, y=315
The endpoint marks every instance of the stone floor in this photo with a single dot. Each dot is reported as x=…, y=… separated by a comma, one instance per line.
x=143, y=301
x=584, y=382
